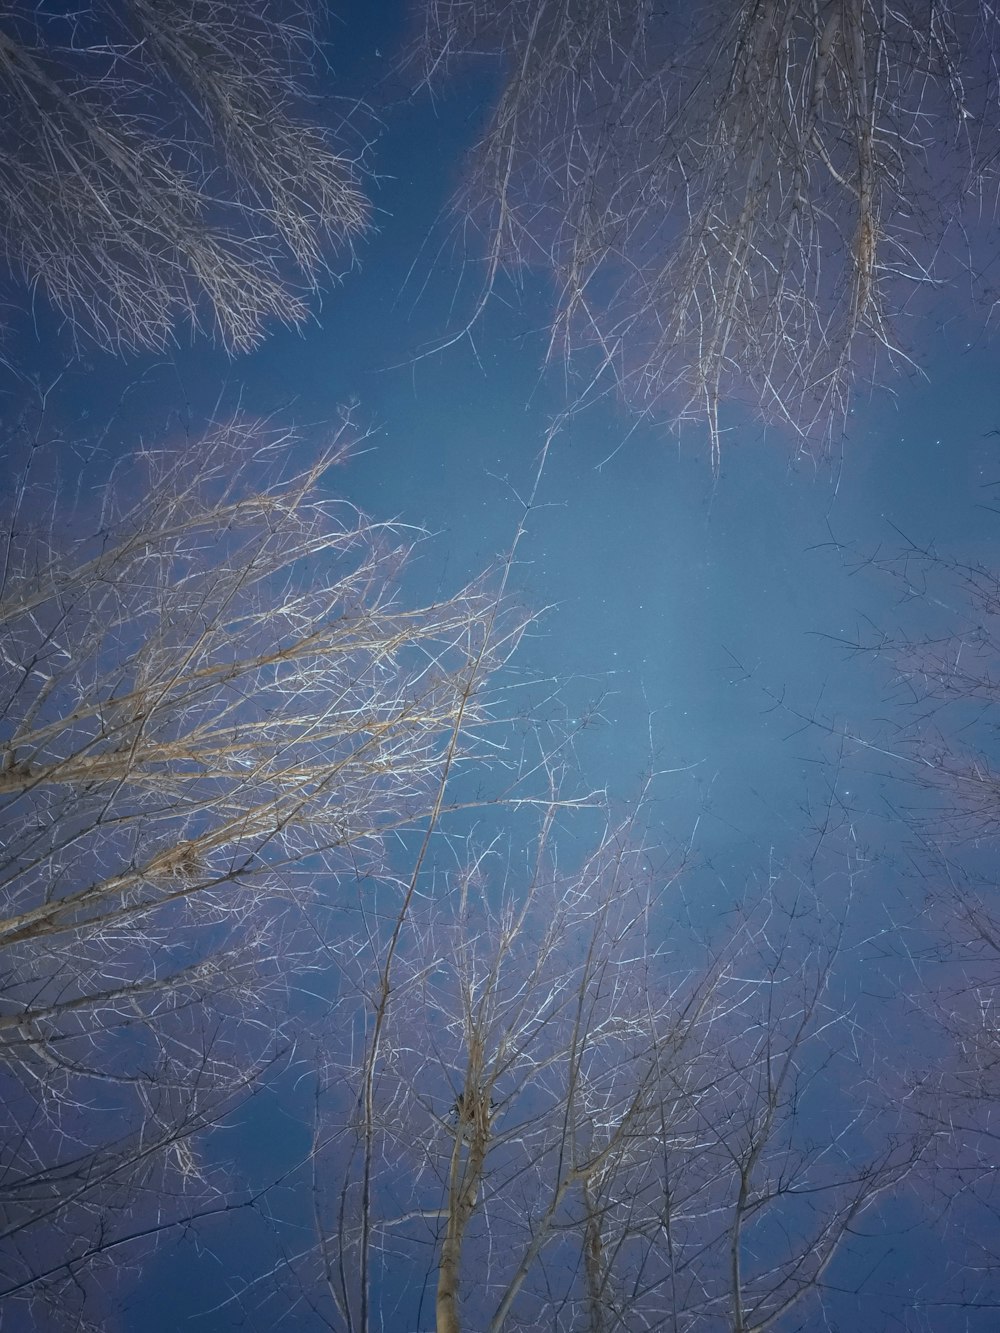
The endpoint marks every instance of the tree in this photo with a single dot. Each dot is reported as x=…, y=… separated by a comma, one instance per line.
x=957, y=1090
x=945, y=689
x=156, y=167
x=214, y=709
x=567, y=1124
x=735, y=200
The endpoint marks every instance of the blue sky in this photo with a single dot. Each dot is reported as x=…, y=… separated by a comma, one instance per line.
x=696, y=616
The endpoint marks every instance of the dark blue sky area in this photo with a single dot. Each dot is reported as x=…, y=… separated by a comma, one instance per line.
x=692, y=620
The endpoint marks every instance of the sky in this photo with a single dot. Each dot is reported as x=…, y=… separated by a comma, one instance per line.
x=701, y=625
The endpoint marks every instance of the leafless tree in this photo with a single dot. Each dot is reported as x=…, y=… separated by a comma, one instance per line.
x=214, y=708
x=944, y=687
x=955, y=1090
x=158, y=165
x=578, y=1116
x=735, y=199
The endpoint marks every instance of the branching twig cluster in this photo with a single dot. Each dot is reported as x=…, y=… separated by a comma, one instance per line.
x=577, y=1125
x=157, y=166
x=736, y=199
x=214, y=709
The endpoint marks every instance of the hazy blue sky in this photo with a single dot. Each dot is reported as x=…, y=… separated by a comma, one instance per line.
x=697, y=615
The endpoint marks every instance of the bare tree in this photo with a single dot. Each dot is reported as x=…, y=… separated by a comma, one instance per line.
x=214, y=708
x=944, y=687
x=735, y=199
x=955, y=1090
x=157, y=166
x=580, y=1117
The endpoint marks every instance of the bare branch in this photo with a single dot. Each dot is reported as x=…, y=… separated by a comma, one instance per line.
x=735, y=199
x=214, y=709
x=157, y=168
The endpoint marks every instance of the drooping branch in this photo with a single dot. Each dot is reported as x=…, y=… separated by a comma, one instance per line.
x=735, y=199
x=160, y=168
